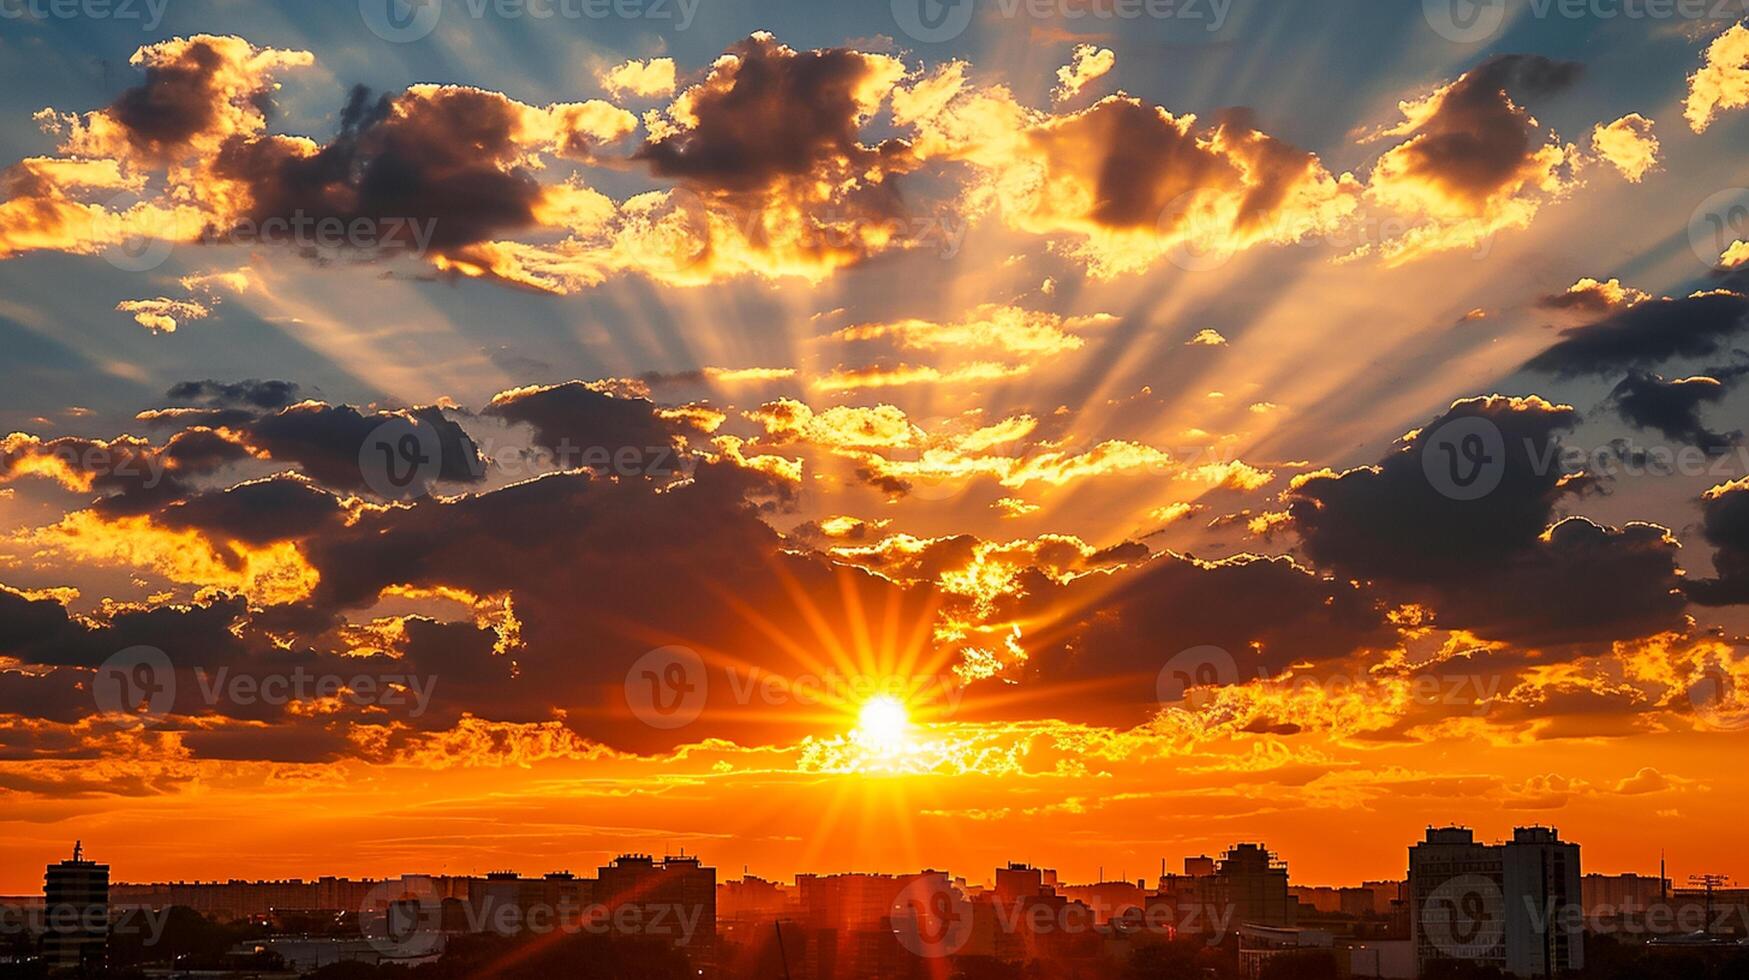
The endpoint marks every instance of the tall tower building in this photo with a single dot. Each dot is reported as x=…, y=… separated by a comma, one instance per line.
x=1514, y=906
x=1544, y=936
x=75, y=912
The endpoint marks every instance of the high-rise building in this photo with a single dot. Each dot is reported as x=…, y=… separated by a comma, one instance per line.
x=75, y=912
x=1515, y=906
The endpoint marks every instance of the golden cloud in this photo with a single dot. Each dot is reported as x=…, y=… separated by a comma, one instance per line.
x=1722, y=82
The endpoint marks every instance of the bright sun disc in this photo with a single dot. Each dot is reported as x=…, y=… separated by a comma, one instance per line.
x=883, y=722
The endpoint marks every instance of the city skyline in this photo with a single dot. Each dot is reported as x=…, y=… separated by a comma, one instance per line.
x=450, y=436
x=1168, y=863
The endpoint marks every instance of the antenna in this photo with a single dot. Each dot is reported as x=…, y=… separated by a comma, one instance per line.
x=1709, y=882
x=78, y=848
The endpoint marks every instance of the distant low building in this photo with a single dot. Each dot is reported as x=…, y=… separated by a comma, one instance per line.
x=673, y=899
x=1260, y=944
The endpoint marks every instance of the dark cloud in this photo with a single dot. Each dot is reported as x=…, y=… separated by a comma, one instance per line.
x=447, y=159
x=1650, y=333
x=1479, y=139
x=583, y=426
x=42, y=631
x=1390, y=521
x=257, y=513
x=1097, y=644
x=1673, y=407
x=262, y=395
x=178, y=100
x=1581, y=584
x=1492, y=564
x=326, y=442
x=129, y=475
x=1146, y=161
x=1726, y=527
x=773, y=115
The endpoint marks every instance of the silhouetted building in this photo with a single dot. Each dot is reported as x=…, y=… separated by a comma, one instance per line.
x=1256, y=887
x=506, y=903
x=1246, y=886
x=1260, y=944
x=1514, y=906
x=673, y=899
x=75, y=912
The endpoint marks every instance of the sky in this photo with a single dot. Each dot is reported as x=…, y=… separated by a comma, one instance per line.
x=822, y=437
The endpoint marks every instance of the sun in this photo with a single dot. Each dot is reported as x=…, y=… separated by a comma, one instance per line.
x=883, y=723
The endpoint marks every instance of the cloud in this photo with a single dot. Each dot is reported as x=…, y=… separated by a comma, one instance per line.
x=902, y=375
x=1590, y=296
x=1673, y=407
x=253, y=393
x=127, y=472
x=438, y=167
x=773, y=180
x=573, y=417
x=1722, y=82
x=1648, y=333
x=199, y=93
x=1725, y=510
x=1101, y=641
x=1627, y=145
x=162, y=315
x=1499, y=565
x=432, y=170
x=991, y=327
x=1647, y=780
x=645, y=79
x=1475, y=162
x=258, y=513
x=838, y=427
x=1206, y=338
x=1087, y=64
x=1121, y=184
x=327, y=442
